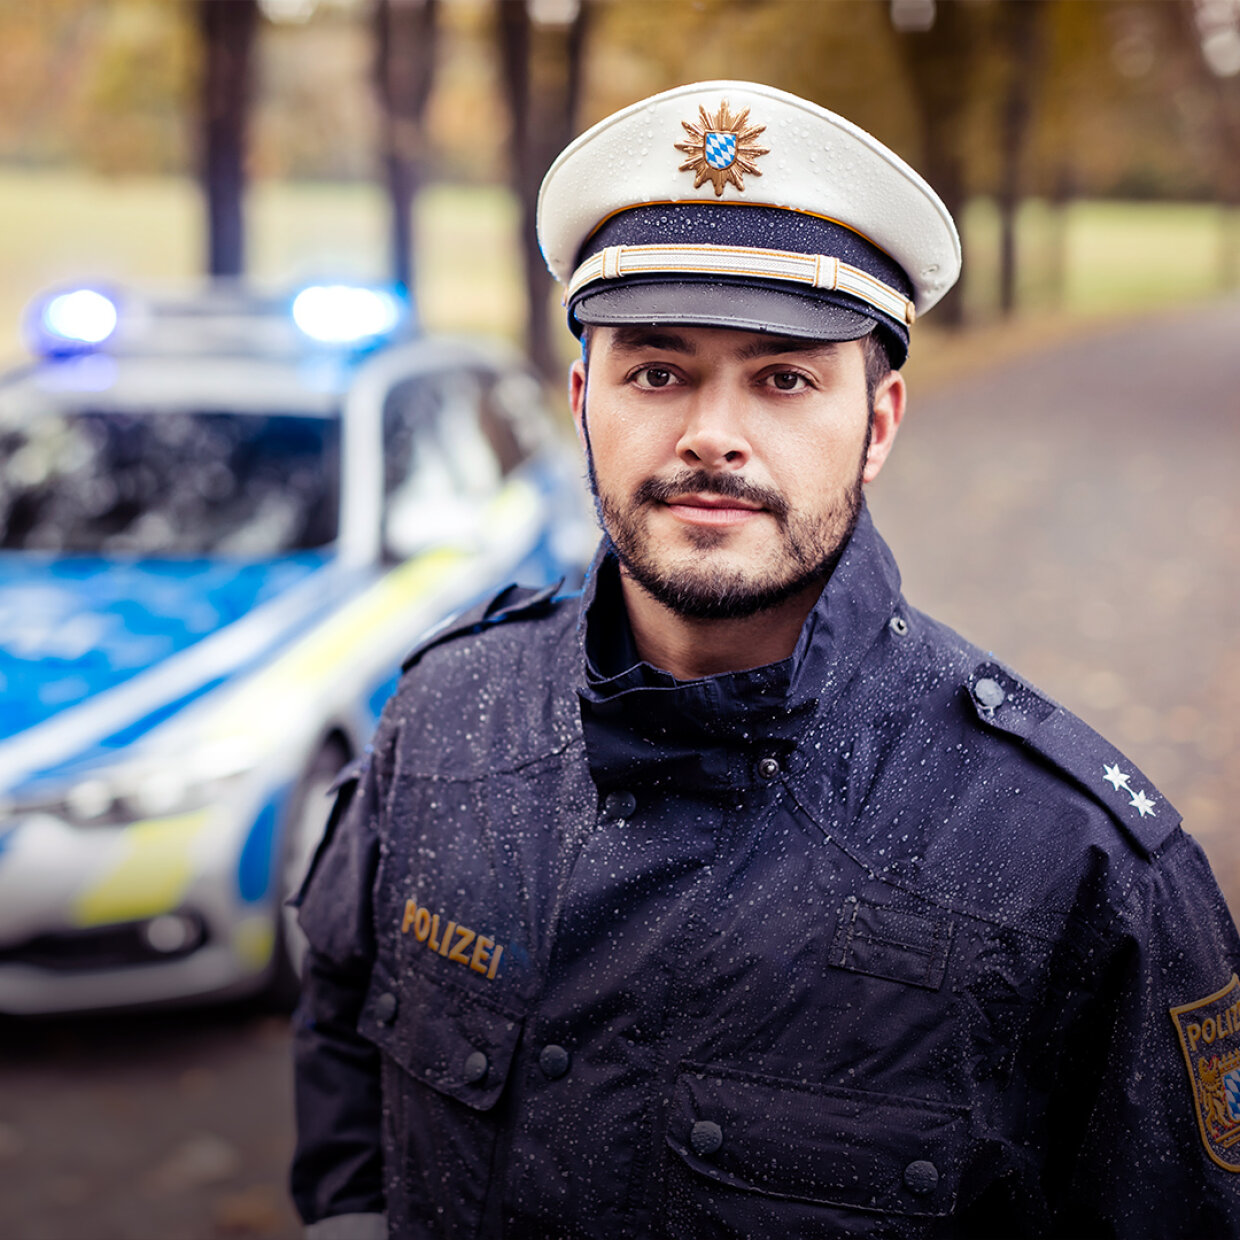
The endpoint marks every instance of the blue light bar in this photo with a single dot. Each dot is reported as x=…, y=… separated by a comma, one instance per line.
x=76, y=319
x=346, y=314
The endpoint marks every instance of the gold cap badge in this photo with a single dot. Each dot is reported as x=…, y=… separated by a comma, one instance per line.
x=721, y=149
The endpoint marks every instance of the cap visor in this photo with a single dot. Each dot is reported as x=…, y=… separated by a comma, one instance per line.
x=735, y=306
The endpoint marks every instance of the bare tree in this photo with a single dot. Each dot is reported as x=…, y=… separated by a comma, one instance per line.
x=1214, y=34
x=405, y=39
x=1021, y=31
x=938, y=44
x=542, y=64
x=228, y=28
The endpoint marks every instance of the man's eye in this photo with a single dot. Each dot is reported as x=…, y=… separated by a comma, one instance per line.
x=788, y=381
x=653, y=377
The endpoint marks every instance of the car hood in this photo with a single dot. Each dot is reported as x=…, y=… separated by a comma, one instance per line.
x=73, y=629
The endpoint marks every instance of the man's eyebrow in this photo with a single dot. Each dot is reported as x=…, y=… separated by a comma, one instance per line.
x=771, y=346
x=635, y=339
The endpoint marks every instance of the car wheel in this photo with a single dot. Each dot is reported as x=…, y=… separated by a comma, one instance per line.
x=308, y=817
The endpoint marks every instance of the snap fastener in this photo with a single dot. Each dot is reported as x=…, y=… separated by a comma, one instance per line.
x=768, y=768
x=553, y=1061
x=705, y=1137
x=619, y=805
x=385, y=1008
x=921, y=1177
x=476, y=1067
x=989, y=692
x=898, y=625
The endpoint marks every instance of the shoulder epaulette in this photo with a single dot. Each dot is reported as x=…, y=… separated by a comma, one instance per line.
x=1008, y=704
x=512, y=601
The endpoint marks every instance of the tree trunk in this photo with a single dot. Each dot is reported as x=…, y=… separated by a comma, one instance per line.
x=228, y=28
x=1021, y=28
x=940, y=63
x=405, y=36
x=542, y=71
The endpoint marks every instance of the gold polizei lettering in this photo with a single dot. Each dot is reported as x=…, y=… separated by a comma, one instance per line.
x=1208, y=1030
x=466, y=937
x=478, y=961
x=486, y=952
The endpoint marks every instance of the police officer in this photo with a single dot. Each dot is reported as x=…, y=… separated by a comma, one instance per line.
x=736, y=897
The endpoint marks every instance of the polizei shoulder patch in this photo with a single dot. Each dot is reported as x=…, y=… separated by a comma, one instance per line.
x=1210, y=1039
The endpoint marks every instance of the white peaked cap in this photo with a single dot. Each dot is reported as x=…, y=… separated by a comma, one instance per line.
x=772, y=150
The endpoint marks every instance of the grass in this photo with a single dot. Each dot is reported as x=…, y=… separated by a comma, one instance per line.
x=1087, y=261
x=58, y=227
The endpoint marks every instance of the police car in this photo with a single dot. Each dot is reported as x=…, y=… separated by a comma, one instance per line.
x=222, y=523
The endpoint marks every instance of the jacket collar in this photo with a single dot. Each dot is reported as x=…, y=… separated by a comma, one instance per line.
x=642, y=726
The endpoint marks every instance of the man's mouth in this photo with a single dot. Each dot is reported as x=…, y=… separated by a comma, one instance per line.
x=712, y=509
x=704, y=498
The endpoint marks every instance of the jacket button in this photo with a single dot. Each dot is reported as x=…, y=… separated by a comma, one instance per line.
x=989, y=692
x=385, y=1008
x=768, y=768
x=921, y=1177
x=705, y=1137
x=619, y=804
x=553, y=1061
x=475, y=1068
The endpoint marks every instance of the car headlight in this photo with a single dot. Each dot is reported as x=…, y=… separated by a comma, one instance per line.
x=121, y=796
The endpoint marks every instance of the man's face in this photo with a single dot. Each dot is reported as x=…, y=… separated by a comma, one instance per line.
x=728, y=465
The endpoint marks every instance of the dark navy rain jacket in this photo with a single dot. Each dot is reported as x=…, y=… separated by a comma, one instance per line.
x=876, y=941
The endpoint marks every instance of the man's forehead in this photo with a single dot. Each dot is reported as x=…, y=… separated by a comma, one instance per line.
x=692, y=341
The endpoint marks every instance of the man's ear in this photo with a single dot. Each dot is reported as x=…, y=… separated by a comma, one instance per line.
x=889, y=398
x=577, y=396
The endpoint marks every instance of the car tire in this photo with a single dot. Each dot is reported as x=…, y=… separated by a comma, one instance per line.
x=309, y=809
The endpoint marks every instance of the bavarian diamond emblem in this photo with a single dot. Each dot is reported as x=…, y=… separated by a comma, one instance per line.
x=720, y=149
x=1231, y=1086
x=1209, y=1032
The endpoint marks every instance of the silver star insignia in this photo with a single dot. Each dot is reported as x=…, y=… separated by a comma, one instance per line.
x=1143, y=804
x=1115, y=777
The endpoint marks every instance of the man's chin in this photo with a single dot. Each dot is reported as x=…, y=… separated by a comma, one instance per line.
x=720, y=592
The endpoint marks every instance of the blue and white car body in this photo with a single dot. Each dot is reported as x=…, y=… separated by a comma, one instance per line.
x=188, y=652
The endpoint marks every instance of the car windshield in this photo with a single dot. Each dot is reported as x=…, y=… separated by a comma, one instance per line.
x=172, y=482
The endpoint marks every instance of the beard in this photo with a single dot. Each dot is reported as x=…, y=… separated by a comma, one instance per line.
x=808, y=549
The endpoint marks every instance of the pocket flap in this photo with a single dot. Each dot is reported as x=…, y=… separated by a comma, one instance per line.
x=449, y=1039
x=818, y=1143
x=897, y=944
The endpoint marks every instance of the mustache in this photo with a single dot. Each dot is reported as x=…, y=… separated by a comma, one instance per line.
x=703, y=482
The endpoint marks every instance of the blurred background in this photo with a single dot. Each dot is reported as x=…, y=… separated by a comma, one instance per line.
x=1064, y=489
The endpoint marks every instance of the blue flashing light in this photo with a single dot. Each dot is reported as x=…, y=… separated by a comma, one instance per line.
x=346, y=314
x=81, y=317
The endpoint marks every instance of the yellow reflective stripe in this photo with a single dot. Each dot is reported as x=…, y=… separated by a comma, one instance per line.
x=151, y=876
x=254, y=939
x=377, y=619
x=344, y=632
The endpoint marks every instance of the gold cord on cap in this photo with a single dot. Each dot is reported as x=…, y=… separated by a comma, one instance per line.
x=817, y=270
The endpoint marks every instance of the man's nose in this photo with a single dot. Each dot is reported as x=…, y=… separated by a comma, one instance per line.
x=714, y=436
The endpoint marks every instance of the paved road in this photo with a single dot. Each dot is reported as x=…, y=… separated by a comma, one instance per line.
x=1074, y=511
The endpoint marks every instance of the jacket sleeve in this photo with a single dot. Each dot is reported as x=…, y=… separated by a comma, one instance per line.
x=337, y=1172
x=1159, y=1152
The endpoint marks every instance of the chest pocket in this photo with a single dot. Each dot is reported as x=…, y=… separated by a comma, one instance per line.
x=446, y=1058
x=757, y=1155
